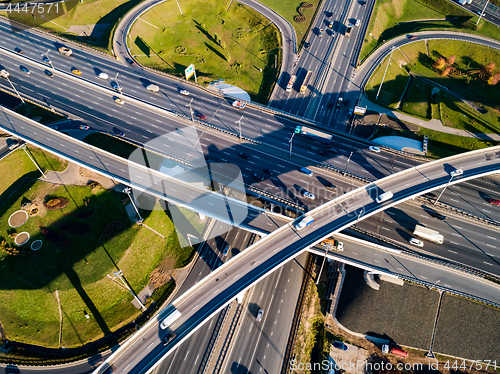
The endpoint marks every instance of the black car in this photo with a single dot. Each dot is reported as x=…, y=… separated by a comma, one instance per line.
x=167, y=339
x=307, y=45
x=258, y=176
x=18, y=50
x=436, y=215
x=131, y=62
x=244, y=155
x=46, y=59
x=332, y=150
x=118, y=132
x=331, y=187
x=323, y=152
x=269, y=171
x=362, y=3
x=49, y=73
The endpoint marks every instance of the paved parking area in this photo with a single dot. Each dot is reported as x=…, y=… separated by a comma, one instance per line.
x=352, y=360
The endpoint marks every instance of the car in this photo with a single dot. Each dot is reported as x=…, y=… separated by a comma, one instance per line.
x=258, y=176
x=307, y=45
x=350, y=113
x=131, y=62
x=102, y=75
x=13, y=144
x=330, y=186
x=239, y=104
x=48, y=73
x=167, y=339
x=18, y=50
x=118, y=132
x=320, y=33
x=330, y=24
x=118, y=100
x=328, y=13
x=225, y=249
x=308, y=195
x=306, y=171
x=116, y=86
x=358, y=22
x=374, y=149
x=436, y=215
x=84, y=127
x=244, y=155
x=430, y=195
x=200, y=115
x=184, y=92
x=339, y=345
x=494, y=201
x=416, y=242
x=259, y=315
x=385, y=349
x=340, y=102
x=362, y=3
x=269, y=171
x=333, y=150
x=76, y=71
x=323, y=152
x=332, y=33
x=412, y=37
x=46, y=59
x=25, y=70
x=109, y=370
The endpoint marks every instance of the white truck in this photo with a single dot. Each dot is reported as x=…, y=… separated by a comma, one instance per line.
x=332, y=244
x=4, y=73
x=304, y=222
x=425, y=233
x=172, y=317
x=384, y=197
x=153, y=88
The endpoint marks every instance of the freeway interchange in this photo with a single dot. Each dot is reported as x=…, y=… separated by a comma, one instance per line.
x=268, y=141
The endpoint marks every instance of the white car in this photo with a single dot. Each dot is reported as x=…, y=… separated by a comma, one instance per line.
x=184, y=92
x=358, y=22
x=259, y=315
x=416, y=242
x=103, y=75
x=308, y=195
x=374, y=149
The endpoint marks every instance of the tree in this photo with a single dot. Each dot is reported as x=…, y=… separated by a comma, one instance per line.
x=450, y=60
x=489, y=67
x=440, y=62
x=223, y=45
x=494, y=79
x=228, y=57
x=446, y=71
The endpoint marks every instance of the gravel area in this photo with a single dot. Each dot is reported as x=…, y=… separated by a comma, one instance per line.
x=469, y=330
x=404, y=314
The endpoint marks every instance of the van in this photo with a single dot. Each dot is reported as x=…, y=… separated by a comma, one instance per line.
x=306, y=171
x=384, y=197
x=304, y=222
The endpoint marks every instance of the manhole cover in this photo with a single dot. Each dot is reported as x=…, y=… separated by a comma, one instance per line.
x=36, y=245
x=18, y=218
x=22, y=238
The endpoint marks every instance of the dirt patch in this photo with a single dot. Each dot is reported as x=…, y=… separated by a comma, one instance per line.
x=163, y=273
x=55, y=237
x=22, y=238
x=56, y=203
x=75, y=228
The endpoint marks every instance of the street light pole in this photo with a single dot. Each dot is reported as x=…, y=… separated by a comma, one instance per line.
x=191, y=110
x=38, y=167
x=327, y=247
x=14, y=88
x=453, y=174
x=50, y=62
x=479, y=19
x=290, y=141
x=349, y=159
x=127, y=191
x=119, y=274
x=387, y=67
x=239, y=123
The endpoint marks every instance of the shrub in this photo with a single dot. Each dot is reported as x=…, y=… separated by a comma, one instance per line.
x=440, y=63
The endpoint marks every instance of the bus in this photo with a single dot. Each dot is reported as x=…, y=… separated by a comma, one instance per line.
x=306, y=82
x=313, y=134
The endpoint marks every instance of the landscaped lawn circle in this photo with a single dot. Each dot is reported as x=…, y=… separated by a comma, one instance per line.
x=22, y=238
x=18, y=218
x=36, y=245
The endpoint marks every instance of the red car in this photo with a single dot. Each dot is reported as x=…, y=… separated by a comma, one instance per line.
x=200, y=115
x=494, y=201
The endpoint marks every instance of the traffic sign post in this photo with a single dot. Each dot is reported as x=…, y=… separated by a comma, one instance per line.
x=190, y=70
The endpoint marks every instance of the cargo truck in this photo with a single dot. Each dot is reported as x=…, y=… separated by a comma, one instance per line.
x=425, y=233
x=65, y=51
x=290, y=84
x=306, y=82
x=313, y=134
x=172, y=317
x=332, y=244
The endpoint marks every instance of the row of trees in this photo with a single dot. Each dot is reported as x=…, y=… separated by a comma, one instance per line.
x=445, y=65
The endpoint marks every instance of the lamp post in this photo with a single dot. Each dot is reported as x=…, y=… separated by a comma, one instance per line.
x=290, y=141
x=191, y=110
x=454, y=173
x=127, y=191
x=347, y=165
x=14, y=88
x=239, y=123
x=387, y=67
x=327, y=248
x=482, y=13
x=119, y=274
x=50, y=62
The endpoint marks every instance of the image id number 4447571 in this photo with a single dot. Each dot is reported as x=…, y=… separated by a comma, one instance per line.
x=470, y=365
x=40, y=8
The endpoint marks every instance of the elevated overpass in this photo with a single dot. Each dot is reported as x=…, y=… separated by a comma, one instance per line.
x=218, y=289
